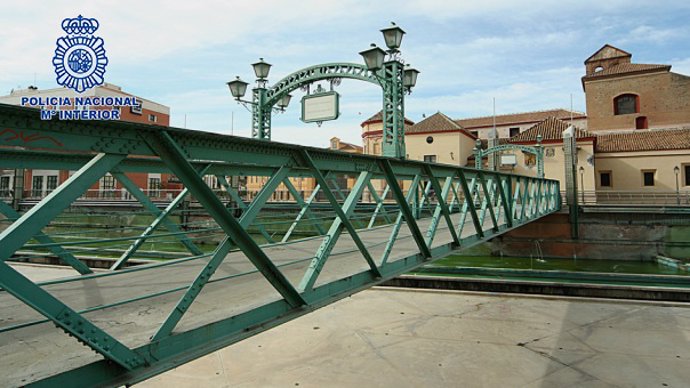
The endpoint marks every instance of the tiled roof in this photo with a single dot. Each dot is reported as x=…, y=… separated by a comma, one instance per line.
x=607, y=52
x=514, y=118
x=626, y=68
x=438, y=122
x=379, y=117
x=644, y=140
x=549, y=129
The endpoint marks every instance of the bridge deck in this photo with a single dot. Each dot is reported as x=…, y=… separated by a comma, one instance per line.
x=114, y=315
x=41, y=350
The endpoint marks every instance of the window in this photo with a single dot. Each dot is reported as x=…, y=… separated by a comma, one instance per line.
x=154, y=187
x=430, y=158
x=626, y=104
x=5, y=186
x=605, y=178
x=686, y=170
x=514, y=131
x=648, y=178
x=37, y=186
x=51, y=183
x=153, y=118
x=475, y=133
x=107, y=186
x=641, y=123
x=429, y=139
x=136, y=109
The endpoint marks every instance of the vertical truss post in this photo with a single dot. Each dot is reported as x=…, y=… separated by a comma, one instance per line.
x=379, y=204
x=469, y=200
x=240, y=203
x=405, y=208
x=321, y=180
x=441, y=206
x=334, y=232
x=504, y=195
x=398, y=223
x=488, y=201
x=161, y=218
x=304, y=211
x=219, y=255
x=42, y=238
x=393, y=136
x=31, y=222
x=174, y=157
x=465, y=205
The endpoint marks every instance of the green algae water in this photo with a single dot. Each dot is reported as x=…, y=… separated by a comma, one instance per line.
x=549, y=264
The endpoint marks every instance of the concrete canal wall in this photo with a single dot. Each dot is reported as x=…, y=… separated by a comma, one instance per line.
x=618, y=235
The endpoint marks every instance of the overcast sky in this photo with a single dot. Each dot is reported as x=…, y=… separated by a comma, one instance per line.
x=528, y=55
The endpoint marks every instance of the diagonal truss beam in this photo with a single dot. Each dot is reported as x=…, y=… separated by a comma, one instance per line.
x=174, y=157
x=42, y=238
x=161, y=219
x=308, y=162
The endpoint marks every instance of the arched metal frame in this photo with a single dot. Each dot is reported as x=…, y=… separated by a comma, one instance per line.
x=537, y=150
x=389, y=78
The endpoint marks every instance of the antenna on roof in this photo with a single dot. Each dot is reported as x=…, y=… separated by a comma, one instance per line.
x=494, y=121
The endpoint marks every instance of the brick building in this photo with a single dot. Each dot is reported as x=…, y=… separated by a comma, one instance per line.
x=622, y=95
x=38, y=183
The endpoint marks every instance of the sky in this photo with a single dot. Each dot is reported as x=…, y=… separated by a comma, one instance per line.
x=527, y=55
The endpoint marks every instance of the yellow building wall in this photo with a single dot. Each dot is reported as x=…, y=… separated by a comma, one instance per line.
x=449, y=147
x=626, y=170
x=554, y=165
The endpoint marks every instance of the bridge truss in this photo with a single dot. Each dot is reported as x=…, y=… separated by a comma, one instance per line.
x=361, y=220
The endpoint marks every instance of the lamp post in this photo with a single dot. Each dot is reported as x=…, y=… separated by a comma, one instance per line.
x=582, y=182
x=382, y=67
x=676, y=170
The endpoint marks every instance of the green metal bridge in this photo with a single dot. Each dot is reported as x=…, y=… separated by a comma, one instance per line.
x=126, y=324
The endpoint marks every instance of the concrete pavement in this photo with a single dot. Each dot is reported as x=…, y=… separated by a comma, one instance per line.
x=410, y=338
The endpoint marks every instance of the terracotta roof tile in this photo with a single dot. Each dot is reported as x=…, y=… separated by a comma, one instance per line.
x=549, y=129
x=644, y=140
x=438, y=122
x=513, y=118
x=626, y=68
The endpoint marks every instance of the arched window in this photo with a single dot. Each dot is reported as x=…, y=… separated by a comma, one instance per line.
x=626, y=104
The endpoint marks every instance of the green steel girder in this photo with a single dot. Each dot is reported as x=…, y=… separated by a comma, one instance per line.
x=42, y=238
x=304, y=209
x=240, y=203
x=441, y=207
x=160, y=219
x=219, y=255
x=316, y=73
x=31, y=222
x=379, y=204
x=398, y=224
x=321, y=180
x=405, y=208
x=184, y=153
x=334, y=232
x=172, y=154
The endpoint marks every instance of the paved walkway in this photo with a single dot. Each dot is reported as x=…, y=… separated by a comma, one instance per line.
x=407, y=338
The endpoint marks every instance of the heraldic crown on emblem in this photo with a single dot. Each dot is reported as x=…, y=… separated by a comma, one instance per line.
x=80, y=59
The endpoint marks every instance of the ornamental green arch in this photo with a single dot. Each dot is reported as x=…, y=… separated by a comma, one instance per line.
x=389, y=78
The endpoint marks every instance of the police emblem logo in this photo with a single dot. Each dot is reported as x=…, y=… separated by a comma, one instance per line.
x=80, y=56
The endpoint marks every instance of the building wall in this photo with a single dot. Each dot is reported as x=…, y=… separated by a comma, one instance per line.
x=664, y=98
x=626, y=170
x=554, y=166
x=448, y=147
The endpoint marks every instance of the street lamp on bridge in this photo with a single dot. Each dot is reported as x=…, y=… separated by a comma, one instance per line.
x=382, y=67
